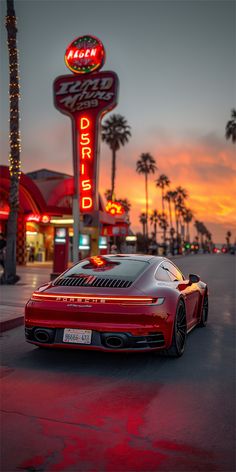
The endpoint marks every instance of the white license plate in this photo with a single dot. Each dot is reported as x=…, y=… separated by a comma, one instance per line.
x=77, y=336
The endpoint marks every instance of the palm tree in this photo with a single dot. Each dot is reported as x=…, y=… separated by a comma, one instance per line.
x=143, y=220
x=146, y=165
x=197, y=225
x=108, y=194
x=173, y=198
x=201, y=230
x=187, y=217
x=125, y=203
x=169, y=197
x=230, y=129
x=180, y=194
x=228, y=236
x=162, y=182
x=116, y=133
x=154, y=218
x=163, y=223
x=9, y=276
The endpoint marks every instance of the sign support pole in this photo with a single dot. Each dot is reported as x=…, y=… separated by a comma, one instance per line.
x=75, y=210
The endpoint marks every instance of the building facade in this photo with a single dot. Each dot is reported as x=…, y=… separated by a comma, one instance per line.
x=45, y=203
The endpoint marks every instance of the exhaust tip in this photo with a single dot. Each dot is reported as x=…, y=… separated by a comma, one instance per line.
x=42, y=336
x=114, y=342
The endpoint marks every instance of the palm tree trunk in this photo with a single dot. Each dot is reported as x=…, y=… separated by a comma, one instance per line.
x=9, y=275
x=113, y=173
x=176, y=221
x=162, y=198
x=188, y=235
x=146, y=190
x=170, y=213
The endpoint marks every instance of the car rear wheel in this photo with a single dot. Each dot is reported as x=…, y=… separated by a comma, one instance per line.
x=204, y=314
x=179, y=332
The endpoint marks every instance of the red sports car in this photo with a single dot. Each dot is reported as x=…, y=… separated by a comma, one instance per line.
x=118, y=303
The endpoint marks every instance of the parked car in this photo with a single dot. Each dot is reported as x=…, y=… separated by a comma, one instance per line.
x=118, y=303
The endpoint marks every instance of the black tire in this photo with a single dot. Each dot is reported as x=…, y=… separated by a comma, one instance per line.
x=179, y=332
x=204, y=312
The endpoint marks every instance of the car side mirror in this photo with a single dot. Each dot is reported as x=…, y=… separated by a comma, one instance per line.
x=193, y=278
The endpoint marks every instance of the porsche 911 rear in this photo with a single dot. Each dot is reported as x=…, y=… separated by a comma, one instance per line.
x=101, y=303
x=97, y=322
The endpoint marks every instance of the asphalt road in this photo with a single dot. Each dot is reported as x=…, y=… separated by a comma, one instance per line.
x=89, y=411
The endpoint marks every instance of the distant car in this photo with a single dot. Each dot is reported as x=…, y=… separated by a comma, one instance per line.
x=224, y=249
x=118, y=303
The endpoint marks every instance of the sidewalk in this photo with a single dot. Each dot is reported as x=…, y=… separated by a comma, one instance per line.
x=14, y=297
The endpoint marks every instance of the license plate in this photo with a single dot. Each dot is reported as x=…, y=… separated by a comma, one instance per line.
x=77, y=336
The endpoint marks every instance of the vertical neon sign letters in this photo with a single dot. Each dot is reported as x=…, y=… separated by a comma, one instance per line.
x=86, y=164
x=86, y=96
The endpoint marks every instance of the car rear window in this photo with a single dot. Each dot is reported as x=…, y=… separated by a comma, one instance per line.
x=111, y=268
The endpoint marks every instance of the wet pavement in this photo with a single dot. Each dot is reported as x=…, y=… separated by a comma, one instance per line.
x=89, y=411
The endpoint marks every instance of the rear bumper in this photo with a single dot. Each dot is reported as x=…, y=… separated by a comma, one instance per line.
x=138, y=327
x=104, y=341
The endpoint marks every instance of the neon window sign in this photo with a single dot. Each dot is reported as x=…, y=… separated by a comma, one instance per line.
x=85, y=54
x=114, y=208
x=38, y=218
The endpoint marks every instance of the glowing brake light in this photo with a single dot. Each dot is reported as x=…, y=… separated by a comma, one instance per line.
x=82, y=298
x=97, y=261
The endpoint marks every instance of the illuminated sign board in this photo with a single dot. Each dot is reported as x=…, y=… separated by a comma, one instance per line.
x=84, y=241
x=86, y=99
x=114, y=208
x=84, y=55
x=102, y=242
x=60, y=235
x=38, y=218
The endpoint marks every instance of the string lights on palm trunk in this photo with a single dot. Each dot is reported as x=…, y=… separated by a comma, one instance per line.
x=14, y=93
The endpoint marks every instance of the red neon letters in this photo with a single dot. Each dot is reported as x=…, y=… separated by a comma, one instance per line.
x=85, y=99
x=81, y=53
x=84, y=55
x=86, y=163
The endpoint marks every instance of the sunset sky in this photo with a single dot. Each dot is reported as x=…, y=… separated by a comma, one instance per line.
x=176, y=65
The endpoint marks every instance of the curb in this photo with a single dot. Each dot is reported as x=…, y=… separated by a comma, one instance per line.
x=11, y=324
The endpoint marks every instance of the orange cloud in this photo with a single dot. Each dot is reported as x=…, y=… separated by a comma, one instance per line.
x=206, y=167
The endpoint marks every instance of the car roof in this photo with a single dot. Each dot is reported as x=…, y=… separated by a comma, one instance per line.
x=137, y=257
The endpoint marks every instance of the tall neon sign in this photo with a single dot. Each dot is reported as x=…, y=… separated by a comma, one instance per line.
x=86, y=96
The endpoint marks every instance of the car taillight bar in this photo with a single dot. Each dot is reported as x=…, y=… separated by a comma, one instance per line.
x=81, y=298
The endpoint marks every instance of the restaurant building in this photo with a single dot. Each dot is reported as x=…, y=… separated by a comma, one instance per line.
x=45, y=203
